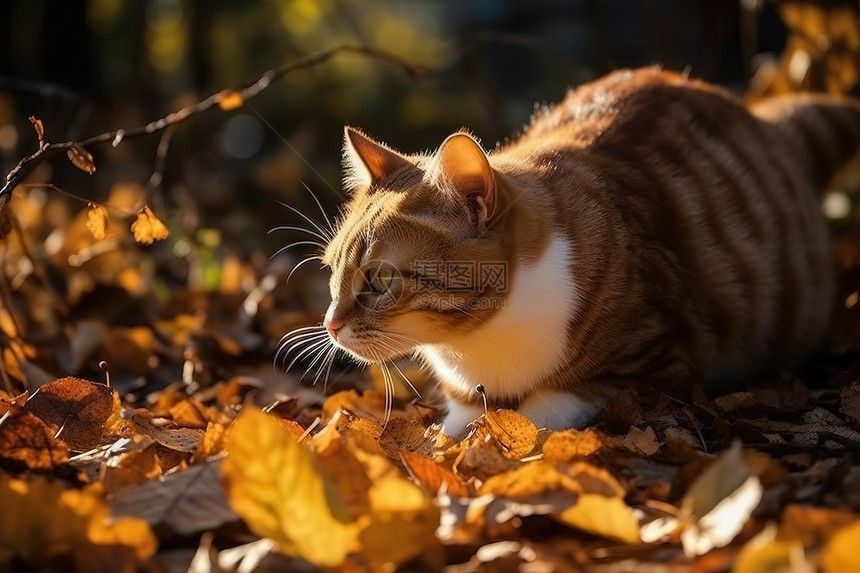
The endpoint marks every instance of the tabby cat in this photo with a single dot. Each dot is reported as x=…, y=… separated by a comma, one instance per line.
x=648, y=229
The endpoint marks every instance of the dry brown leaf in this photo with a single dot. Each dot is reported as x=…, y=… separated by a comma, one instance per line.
x=188, y=502
x=39, y=128
x=515, y=433
x=281, y=491
x=26, y=441
x=642, y=441
x=369, y=404
x=228, y=99
x=413, y=436
x=45, y=520
x=432, y=475
x=569, y=444
x=812, y=526
x=166, y=432
x=75, y=409
x=97, y=222
x=81, y=158
x=480, y=460
x=147, y=228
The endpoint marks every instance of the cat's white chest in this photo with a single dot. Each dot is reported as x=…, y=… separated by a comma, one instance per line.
x=525, y=341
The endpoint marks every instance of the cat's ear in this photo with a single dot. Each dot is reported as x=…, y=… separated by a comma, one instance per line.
x=365, y=161
x=463, y=169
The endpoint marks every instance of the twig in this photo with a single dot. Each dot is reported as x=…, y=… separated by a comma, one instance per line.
x=27, y=164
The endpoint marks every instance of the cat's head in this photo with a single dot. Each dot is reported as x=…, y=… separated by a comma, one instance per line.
x=414, y=260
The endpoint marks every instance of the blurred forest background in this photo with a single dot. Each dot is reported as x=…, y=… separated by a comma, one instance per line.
x=91, y=66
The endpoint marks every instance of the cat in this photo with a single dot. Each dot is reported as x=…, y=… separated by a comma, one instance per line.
x=648, y=229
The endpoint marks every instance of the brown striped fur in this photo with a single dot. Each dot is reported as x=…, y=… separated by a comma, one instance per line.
x=699, y=252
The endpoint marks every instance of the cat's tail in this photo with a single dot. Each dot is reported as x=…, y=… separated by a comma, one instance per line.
x=825, y=129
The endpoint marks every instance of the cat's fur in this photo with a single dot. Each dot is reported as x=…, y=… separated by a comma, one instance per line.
x=655, y=231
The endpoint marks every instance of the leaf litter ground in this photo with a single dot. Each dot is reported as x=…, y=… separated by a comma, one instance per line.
x=175, y=466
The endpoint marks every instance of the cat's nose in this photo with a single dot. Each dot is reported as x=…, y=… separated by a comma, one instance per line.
x=333, y=325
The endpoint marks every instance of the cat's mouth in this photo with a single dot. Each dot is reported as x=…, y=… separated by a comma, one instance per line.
x=371, y=347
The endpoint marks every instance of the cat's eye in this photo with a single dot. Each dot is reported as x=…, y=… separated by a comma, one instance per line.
x=380, y=279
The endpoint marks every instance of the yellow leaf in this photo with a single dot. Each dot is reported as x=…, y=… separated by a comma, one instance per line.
x=280, y=490
x=765, y=552
x=148, y=228
x=228, y=100
x=402, y=523
x=840, y=553
x=604, y=516
x=44, y=520
x=97, y=222
x=515, y=433
x=570, y=444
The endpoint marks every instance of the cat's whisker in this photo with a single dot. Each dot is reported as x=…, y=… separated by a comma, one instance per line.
x=298, y=229
x=389, y=391
x=331, y=357
x=469, y=314
x=324, y=366
x=295, y=340
x=301, y=329
x=321, y=352
x=300, y=263
x=295, y=244
x=407, y=380
x=311, y=348
x=329, y=225
x=312, y=223
x=294, y=336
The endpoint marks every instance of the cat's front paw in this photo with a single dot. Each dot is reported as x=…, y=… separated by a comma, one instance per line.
x=557, y=410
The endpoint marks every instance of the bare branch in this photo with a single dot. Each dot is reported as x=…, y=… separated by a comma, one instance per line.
x=17, y=174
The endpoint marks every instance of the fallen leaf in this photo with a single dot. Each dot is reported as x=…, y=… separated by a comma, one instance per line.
x=719, y=502
x=188, y=502
x=569, y=444
x=642, y=441
x=279, y=489
x=166, y=432
x=45, y=519
x=402, y=523
x=26, y=441
x=75, y=409
x=810, y=525
x=604, y=516
x=432, y=475
x=81, y=158
x=228, y=99
x=97, y=222
x=765, y=553
x=840, y=554
x=147, y=228
x=515, y=433
x=413, y=436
